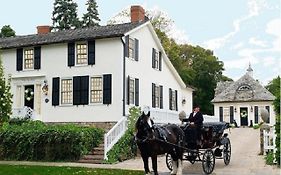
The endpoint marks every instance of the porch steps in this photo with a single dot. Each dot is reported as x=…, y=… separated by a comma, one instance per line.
x=96, y=156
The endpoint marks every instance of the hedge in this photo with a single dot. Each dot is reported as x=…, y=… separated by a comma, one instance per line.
x=34, y=140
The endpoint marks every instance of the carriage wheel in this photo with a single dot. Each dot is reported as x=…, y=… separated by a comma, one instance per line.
x=226, y=151
x=208, y=161
x=169, y=161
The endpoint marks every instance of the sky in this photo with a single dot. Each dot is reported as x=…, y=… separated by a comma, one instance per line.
x=238, y=31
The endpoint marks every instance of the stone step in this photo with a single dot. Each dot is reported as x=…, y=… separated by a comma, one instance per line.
x=97, y=153
x=92, y=157
x=91, y=161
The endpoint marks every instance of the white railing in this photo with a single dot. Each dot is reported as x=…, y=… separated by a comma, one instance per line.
x=24, y=112
x=164, y=116
x=269, y=138
x=114, y=134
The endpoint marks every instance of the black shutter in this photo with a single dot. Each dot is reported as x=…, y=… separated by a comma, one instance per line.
x=153, y=58
x=160, y=61
x=268, y=109
x=231, y=114
x=256, y=114
x=84, y=90
x=221, y=114
x=71, y=54
x=170, y=98
x=56, y=91
x=137, y=89
x=76, y=90
x=153, y=95
x=136, y=49
x=176, y=102
x=128, y=90
x=37, y=57
x=91, y=52
x=107, y=89
x=127, y=46
x=19, y=59
x=161, y=97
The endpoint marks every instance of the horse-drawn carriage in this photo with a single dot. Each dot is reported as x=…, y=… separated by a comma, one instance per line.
x=214, y=145
x=174, y=140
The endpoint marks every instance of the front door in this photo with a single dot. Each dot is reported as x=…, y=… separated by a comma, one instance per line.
x=29, y=96
x=244, y=116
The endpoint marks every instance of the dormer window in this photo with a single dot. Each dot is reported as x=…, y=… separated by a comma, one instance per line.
x=81, y=54
x=244, y=88
x=28, y=58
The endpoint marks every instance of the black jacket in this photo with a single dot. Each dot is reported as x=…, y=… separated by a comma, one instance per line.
x=197, y=119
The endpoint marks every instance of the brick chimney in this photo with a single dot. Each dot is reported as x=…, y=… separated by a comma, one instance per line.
x=137, y=13
x=43, y=30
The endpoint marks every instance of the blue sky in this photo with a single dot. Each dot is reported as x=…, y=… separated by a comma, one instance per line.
x=239, y=31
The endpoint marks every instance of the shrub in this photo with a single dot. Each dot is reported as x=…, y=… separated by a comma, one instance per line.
x=269, y=158
x=34, y=140
x=18, y=121
x=125, y=148
x=277, y=132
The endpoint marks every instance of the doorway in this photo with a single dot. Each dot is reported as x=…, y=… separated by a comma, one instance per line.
x=244, y=116
x=29, y=96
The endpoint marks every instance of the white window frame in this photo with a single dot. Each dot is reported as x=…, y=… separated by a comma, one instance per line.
x=157, y=96
x=76, y=53
x=90, y=90
x=24, y=58
x=61, y=91
x=157, y=60
x=173, y=105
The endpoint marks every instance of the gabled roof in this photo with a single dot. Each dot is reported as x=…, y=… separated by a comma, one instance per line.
x=98, y=32
x=245, y=89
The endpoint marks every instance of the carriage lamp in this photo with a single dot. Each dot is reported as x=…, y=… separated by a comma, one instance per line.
x=45, y=88
x=235, y=110
x=183, y=101
x=251, y=108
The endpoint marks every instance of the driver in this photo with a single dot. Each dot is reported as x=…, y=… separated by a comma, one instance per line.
x=196, y=123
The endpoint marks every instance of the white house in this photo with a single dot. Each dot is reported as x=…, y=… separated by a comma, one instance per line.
x=93, y=74
x=243, y=100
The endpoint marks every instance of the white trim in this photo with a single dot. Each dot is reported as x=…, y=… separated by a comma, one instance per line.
x=137, y=28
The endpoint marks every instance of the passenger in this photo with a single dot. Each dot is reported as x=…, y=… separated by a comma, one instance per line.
x=195, y=125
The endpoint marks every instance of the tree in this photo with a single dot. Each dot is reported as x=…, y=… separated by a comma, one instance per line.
x=7, y=31
x=65, y=15
x=91, y=18
x=5, y=96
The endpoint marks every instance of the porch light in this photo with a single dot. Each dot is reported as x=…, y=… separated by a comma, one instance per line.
x=45, y=88
x=235, y=110
x=251, y=108
x=183, y=101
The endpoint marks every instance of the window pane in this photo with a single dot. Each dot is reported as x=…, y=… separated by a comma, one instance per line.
x=131, y=48
x=96, y=90
x=28, y=59
x=81, y=53
x=132, y=91
x=66, y=91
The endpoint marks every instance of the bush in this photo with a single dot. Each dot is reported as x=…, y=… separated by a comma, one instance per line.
x=269, y=158
x=125, y=148
x=34, y=140
x=18, y=121
x=277, y=132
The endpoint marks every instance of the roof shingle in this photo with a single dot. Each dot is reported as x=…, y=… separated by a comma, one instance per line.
x=98, y=32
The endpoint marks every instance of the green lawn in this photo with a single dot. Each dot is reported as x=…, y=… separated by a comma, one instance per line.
x=47, y=170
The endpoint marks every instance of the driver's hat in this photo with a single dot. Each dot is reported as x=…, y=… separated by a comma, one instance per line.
x=146, y=110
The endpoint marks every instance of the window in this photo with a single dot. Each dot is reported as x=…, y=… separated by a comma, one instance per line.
x=96, y=90
x=131, y=48
x=66, y=91
x=173, y=99
x=28, y=59
x=132, y=91
x=226, y=114
x=156, y=59
x=244, y=88
x=81, y=53
x=157, y=96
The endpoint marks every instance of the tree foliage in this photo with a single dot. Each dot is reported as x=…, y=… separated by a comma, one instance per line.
x=65, y=15
x=7, y=31
x=5, y=96
x=91, y=18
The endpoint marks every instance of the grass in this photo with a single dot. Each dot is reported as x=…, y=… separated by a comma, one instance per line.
x=51, y=170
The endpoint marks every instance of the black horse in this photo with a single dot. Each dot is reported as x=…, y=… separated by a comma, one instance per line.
x=156, y=140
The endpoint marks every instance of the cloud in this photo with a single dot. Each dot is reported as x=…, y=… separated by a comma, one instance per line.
x=254, y=7
x=273, y=27
x=237, y=46
x=257, y=42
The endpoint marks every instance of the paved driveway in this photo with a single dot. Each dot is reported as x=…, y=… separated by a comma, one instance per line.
x=244, y=160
